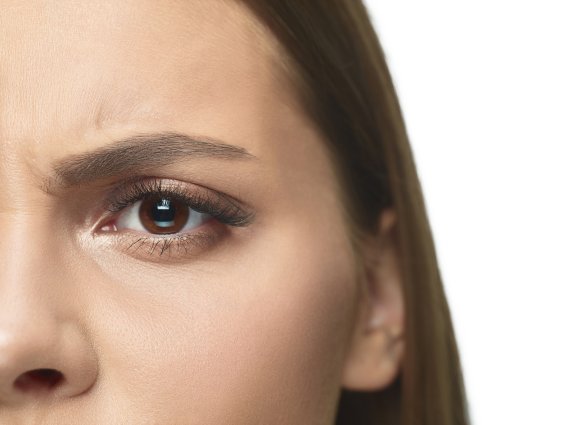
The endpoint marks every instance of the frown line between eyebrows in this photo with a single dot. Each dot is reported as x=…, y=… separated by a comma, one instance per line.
x=142, y=151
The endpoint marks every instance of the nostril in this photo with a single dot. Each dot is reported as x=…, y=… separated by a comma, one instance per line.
x=38, y=380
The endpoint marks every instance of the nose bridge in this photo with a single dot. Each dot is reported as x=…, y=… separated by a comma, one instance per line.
x=40, y=327
x=29, y=249
x=27, y=271
x=32, y=247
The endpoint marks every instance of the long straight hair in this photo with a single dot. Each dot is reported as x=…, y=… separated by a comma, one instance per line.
x=338, y=67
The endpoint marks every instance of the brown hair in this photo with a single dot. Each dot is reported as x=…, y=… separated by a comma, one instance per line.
x=339, y=69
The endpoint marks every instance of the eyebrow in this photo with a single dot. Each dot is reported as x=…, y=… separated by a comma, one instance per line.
x=140, y=152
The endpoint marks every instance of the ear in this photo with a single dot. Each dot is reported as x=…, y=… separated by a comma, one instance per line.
x=375, y=355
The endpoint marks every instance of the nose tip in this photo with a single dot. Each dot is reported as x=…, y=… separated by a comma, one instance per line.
x=34, y=367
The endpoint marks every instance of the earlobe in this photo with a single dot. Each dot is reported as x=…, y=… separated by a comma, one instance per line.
x=377, y=346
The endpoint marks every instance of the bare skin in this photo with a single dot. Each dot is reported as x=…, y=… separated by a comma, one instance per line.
x=258, y=321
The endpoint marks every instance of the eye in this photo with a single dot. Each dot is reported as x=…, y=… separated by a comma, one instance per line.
x=160, y=215
x=168, y=216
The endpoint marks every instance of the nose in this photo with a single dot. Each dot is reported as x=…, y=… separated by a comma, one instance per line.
x=41, y=359
x=45, y=351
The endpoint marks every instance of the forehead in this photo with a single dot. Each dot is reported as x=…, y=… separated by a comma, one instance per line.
x=69, y=67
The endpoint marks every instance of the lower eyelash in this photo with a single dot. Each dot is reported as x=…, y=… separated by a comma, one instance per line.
x=182, y=244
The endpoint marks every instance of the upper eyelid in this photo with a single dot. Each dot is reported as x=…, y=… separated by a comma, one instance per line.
x=124, y=192
x=172, y=186
x=119, y=198
x=121, y=189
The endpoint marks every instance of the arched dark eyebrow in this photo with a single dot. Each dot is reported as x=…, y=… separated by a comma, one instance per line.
x=140, y=152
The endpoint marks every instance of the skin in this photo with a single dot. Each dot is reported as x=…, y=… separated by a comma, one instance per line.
x=259, y=324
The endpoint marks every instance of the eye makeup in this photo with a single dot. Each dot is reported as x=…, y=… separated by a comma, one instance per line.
x=151, y=216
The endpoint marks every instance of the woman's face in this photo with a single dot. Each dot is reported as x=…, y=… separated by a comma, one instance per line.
x=163, y=279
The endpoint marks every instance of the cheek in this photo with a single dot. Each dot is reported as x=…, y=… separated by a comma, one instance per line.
x=295, y=327
x=254, y=337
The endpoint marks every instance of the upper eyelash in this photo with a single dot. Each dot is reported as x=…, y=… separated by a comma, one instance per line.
x=220, y=206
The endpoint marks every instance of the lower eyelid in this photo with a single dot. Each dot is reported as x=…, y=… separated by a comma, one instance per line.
x=178, y=247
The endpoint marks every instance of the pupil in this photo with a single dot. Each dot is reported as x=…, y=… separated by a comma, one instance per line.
x=163, y=213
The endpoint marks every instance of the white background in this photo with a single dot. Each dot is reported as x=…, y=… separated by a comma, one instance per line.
x=483, y=89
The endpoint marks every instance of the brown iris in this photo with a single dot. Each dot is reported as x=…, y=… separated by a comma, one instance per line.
x=161, y=215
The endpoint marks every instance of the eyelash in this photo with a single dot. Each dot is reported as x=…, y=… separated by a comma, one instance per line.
x=221, y=207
